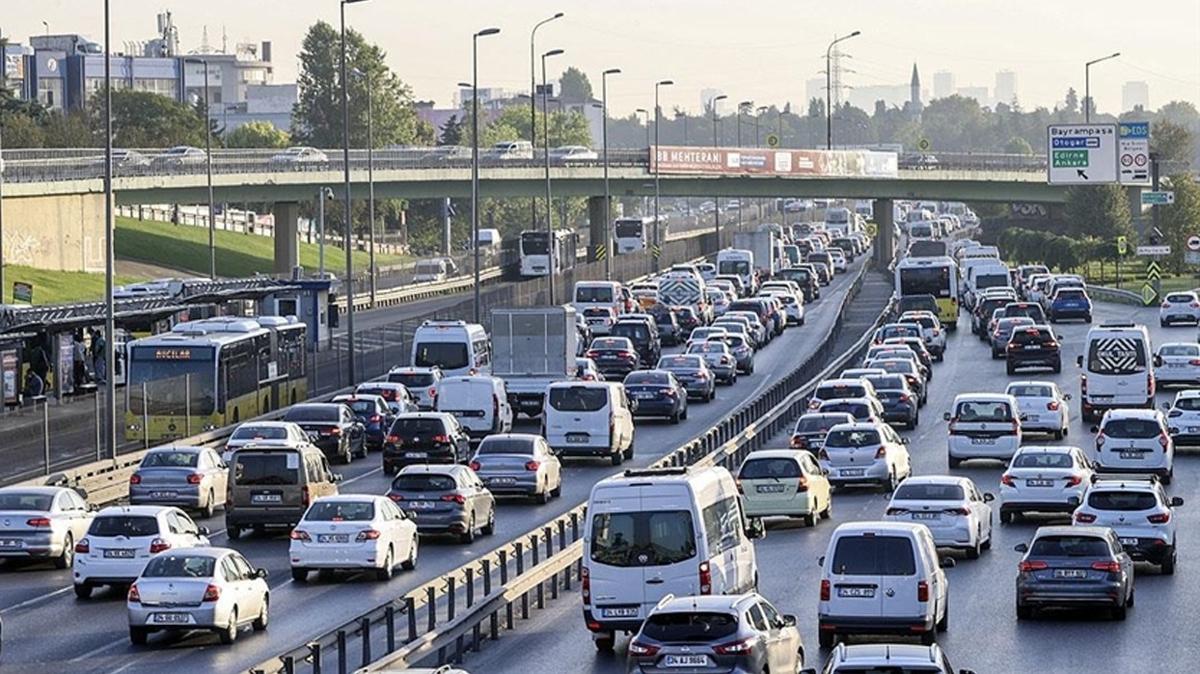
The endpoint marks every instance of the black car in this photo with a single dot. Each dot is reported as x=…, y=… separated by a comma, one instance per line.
x=669, y=331
x=982, y=313
x=425, y=437
x=332, y=427
x=687, y=320
x=644, y=337
x=373, y=413
x=847, y=246
x=760, y=308
x=806, y=277
x=614, y=356
x=900, y=403
x=1033, y=346
x=658, y=394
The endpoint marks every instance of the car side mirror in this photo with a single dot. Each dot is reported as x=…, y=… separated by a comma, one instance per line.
x=789, y=620
x=988, y=497
x=1165, y=405
x=1024, y=417
x=1094, y=429
x=756, y=529
x=261, y=573
x=1021, y=548
x=93, y=508
x=337, y=477
x=946, y=416
x=1079, y=361
x=203, y=531
x=1066, y=396
x=1176, y=501
x=1173, y=431
x=947, y=562
x=904, y=441
x=821, y=560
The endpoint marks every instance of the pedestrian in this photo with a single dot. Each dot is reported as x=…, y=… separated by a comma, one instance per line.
x=79, y=359
x=99, y=356
x=35, y=386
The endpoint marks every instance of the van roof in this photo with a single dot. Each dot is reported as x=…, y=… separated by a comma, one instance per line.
x=696, y=478
x=878, y=527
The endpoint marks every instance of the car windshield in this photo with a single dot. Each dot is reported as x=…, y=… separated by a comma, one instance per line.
x=852, y=438
x=361, y=407
x=1142, y=429
x=1030, y=391
x=25, y=502
x=1042, y=460
x=171, y=460
x=269, y=468
x=979, y=411
x=759, y=469
x=446, y=355
x=1179, y=350
x=423, y=482
x=1188, y=404
x=648, y=379
x=578, y=398
x=689, y=627
x=411, y=380
x=495, y=445
x=170, y=565
x=130, y=526
x=1070, y=546
x=417, y=426
x=928, y=492
x=594, y=294
x=309, y=413
x=251, y=432
x=874, y=556
x=339, y=511
x=647, y=538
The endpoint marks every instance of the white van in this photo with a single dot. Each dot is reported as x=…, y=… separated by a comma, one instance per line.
x=456, y=347
x=653, y=532
x=430, y=271
x=1117, y=372
x=589, y=418
x=480, y=403
x=488, y=239
x=604, y=299
x=882, y=578
x=740, y=263
x=511, y=149
x=984, y=273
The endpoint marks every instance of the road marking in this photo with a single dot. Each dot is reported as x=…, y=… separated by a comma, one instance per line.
x=35, y=600
x=98, y=651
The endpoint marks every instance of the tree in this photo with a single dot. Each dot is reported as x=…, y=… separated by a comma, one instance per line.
x=147, y=119
x=1018, y=145
x=1180, y=220
x=21, y=131
x=451, y=132
x=1101, y=211
x=257, y=134
x=574, y=86
x=816, y=107
x=1071, y=102
x=1170, y=141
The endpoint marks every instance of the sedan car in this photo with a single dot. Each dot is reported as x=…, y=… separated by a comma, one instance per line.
x=445, y=499
x=691, y=371
x=299, y=156
x=372, y=412
x=332, y=427
x=657, y=393
x=1044, y=480
x=353, y=532
x=784, y=482
x=186, y=477
x=701, y=335
x=614, y=356
x=198, y=589
x=38, y=523
x=907, y=368
x=1043, y=407
x=743, y=352
x=518, y=464
x=1074, y=567
x=1182, y=307
x=719, y=358
x=900, y=404
x=1177, y=363
x=865, y=453
x=956, y=512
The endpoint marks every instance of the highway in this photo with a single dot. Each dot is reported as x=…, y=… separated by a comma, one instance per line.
x=984, y=634
x=39, y=607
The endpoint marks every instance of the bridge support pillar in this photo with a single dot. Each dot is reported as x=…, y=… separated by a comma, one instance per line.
x=287, y=237
x=885, y=231
x=598, y=230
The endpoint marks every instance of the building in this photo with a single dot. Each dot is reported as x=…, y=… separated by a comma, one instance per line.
x=943, y=84
x=1134, y=94
x=1006, y=87
x=230, y=76
x=980, y=94
x=12, y=69
x=264, y=103
x=914, y=93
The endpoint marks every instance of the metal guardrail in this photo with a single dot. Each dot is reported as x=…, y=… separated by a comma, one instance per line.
x=1117, y=295
x=416, y=614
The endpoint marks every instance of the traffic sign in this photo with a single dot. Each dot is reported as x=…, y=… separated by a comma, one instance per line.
x=1153, y=271
x=1081, y=154
x=772, y=140
x=22, y=292
x=1134, y=151
x=1122, y=245
x=1153, y=251
x=1193, y=242
x=1191, y=257
x=923, y=145
x=1157, y=198
x=1149, y=294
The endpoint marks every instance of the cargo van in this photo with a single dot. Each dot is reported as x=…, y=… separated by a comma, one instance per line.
x=1117, y=372
x=272, y=486
x=480, y=403
x=589, y=418
x=653, y=532
x=599, y=302
x=456, y=347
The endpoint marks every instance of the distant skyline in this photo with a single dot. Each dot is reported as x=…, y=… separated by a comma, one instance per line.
x=764, y=51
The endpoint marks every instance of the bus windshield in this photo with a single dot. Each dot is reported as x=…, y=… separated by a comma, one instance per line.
x=181, y=384
x=925, y=281
x=629, y=229
x=534, y=243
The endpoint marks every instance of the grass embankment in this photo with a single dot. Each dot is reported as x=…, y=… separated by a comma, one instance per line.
x=57, y=287
x=1133, y=274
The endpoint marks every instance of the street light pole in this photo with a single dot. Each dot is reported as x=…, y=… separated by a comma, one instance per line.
x=829, y=89
x=657, y=251
x=717, y=144
x=2, y=286
x=646, y=199
x=533, y=100
x=475, y=158
x=110, y=327
x=608, y=223
x=1087, y=84
x=741, y=106
x=350, y=359
x=373, y=276
x=212, y=221
x=546, y=156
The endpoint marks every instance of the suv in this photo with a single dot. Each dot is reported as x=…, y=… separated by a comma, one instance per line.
x=1139, y=511
x=1033, y=346
x=122, y=539
x=1183, y=417
x=1135, y=441
x=1071, y=567
x=422, y=383
x=445, y=499
x=983, y=313
x=273, y=485
x=907, y=658
x=643, y=335
x=425, y=437
x=1071, y=303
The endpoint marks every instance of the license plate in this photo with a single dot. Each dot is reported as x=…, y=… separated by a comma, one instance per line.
x=333, y=538
x=610, y=357
x=1032, y=347
x=502, y=480
x=416, y=455
x=769, y=488
x=645, y=396
x=1039, y=483
x=577, y=437
x=10, y=543
x=266, y=498
x=419, y=505
x=163, y=494
x=927, y=516
x=1070, y=573
x=685, y=660
x=983, y=441
x=1129, y=541
x=852, y=472
x=1131, y=455
x=620, y=612
x=119, y=553
x=172, y=618
x=1031, y=417
x=857, y=592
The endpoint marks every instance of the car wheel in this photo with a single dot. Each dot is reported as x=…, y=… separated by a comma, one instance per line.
x=1024, y=612
x=1168, y=564
x=944, y=623
x=1010, y=369
x=605, y=643
x=468, y=536
x=229, y=633
x=1120, y=612
x=810, y=520
x=1132, y=594
x=929, y=638
x=557, y=491
x=954, y=463
x=260, y=623
x=1006, y=517
x=137, y=636
x=411, y=563
x=299, y=574
x=675, y=418
x=826, y=639
x=827, y=513
x=1057, y=435
x=83, y=590
x=210, y=505
x=1166, y=479
x=347, y=455
x=683, y=414
x=490, y=527
x=542, y=497
x=67, y=557
x=234, y=531
x=974, y=552
x=384, y=573
x=1058, y=367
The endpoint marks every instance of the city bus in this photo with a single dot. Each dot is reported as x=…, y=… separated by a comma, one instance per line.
x=936, y=276
x=630, y=235
x=207, y=374
x=535, y=252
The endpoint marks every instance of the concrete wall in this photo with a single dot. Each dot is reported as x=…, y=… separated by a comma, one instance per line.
x=62, y=232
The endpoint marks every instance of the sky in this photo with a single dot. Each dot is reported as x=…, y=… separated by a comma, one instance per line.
x=760, y=50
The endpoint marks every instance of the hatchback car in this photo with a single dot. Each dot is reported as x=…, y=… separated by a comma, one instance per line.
x=811, y=428
x=957, y=513
x=719, y=358
x=425, y=437
x=1044, y=480
x=865, y=453
x=1004, y=331
x=691, y=371
x=1070, y=303
x=1135, y=441
x=743, y=352
x=1043, y=407
x=657, y=393
x=353, y=532
x=614, y=356
x=983, y=426
x=1177, y=363
x=1141, y=513
x=445, y=499
x=186, y=477
x=373, y=412
x=199, y=588
x=121, y=539
x=396, y=395
x=726, y=633
x=332, y=427
x=1183, y=417
x=421, y=382
x=518, y=464
x=784, y=482
x=1074, y=567
x=38, y=523
x=1183, y=307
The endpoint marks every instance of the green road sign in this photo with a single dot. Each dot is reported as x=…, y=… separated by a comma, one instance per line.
x=23, y=292
x=1122, y=245
x=923, y=145
x=1070, y=158
x=772, y=140
x=1149, y=294
x=1159, y=198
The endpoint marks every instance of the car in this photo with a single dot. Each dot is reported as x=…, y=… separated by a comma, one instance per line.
x=983, y=310
x=891, y=657
x=352, y=532
x=983, y=426
x=1135, y=441
x=900, y=403
x=720, y=360
x=599, y=319
x=891, y=330
x=701, y=335
x=425, y=437
x=931, y=331
x=787, y=483
x=121, y=539
x=865, y=453
x=688, y=320
x=372, y=412
x=908, y=367
x=1028, y=309
x=421, y=382
x=735, y=633
x=332, y=428
x=395, y=395
x=1003, y=332
x=642, y=334
x=281, y=433
x=1074, y=567
x=1043, y=407
x=840, y=265
x=198, y=588
x=1179, y=307
x=518, y=464
x=42, y=523
x=957, y=513
x=743, y=352
x=1033, y=346
x=917, y=346
x=751, y=330
x=614, y=356
x=669, y=330
x=692, y=371
x=1177, y=363
x=186, y=477
x=862, y=409
x=1183, y=417
x=1049, y=479
x=1138, y=509
x=445, y=499
x=586, y=370
x=572, y=153
x=793, y=304
x=481, y=404
x=589, y=419
x=811, y=428
x=180, y=155
x=657, y=393
x=1071, y=303
x=840, y=388
x=300, y=155
x=718, y=299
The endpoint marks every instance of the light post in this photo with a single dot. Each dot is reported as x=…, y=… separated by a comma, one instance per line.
x=546, y=156
x=322, y=194
x=657, y=251
x=741, y=107
x=212, y=221
x=2, y=286
x=475, y=156
x=608, y=224
x=757, y=143
x=366, y=77
x=829, y=89
x=110, y=327
x=533, y=97
x=717, y=144
x=646, y=199
x=1087, y=84
x=349, y=214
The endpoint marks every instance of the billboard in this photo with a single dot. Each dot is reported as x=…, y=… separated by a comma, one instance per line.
x=763, y=161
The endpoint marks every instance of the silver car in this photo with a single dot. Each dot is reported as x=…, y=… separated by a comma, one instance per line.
x=518, y=464
x=422, y=383
x=719, y=358
x=42, y=523
x=198, y=588
x=186, y=477
x=445, y=499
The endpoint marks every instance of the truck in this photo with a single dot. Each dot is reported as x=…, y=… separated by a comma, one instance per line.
x=766, y=247
x=531, y=349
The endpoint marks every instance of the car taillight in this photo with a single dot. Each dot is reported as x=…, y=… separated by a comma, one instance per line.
x=825, y=593
x=83, y=547
x=212, y=593
x=922, y=591
x=299, y=535
x=1111, y=566
x=133, y=597
x=705, y=578
x=441, y=439
x=456, y=498
x=1160, y=518
x=802, y=485
x=1026, y=567
x=38, y=522
x=1052, y=405
x=532, y=465
x=904, y=398
x=367, y=535
x=881, y=453
x=158, y=545
x=897, y=511
x=375, y=418
x=1195, y=305
x=627, y=355
x=958, y=511
x=638, y=649
x=135, y=479
x=1085, y=518
x=1150, y=383
x=814, y=404
x=1007, y=480
x=194, y=478
x=740, y=647
x=592, y=353
x=475, y=466
x=1083, y=385
x=1166, y=305
x=1074, y=481
x=1100, y=439
x=798, y=442
x=393, y=438
x=1016, y=425
x=1164, y=440
x=336, y=430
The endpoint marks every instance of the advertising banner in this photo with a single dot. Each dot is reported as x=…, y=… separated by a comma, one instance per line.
x=773, y=162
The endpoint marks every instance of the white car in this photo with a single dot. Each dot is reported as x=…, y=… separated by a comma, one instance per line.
x=42, y=523
x=840, y=388
x=839, y=260
x=1181, y=307
x=122, y=539
x=931, y=330
x=1140, y=512
x=300, y=155
x=352, y=532
x=793, y=304
x=1177, y=363
x=1183, y=417
x=198, y=588
x=956, y=512
x=983, y=426
x=274, y=433
x=865, y=453
x=1043, y=407
x=1044, y=480
x=422, y=383
x=1135, y=441
x=784, y=482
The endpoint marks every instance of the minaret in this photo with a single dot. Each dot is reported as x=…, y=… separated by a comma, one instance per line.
x=915, y=96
